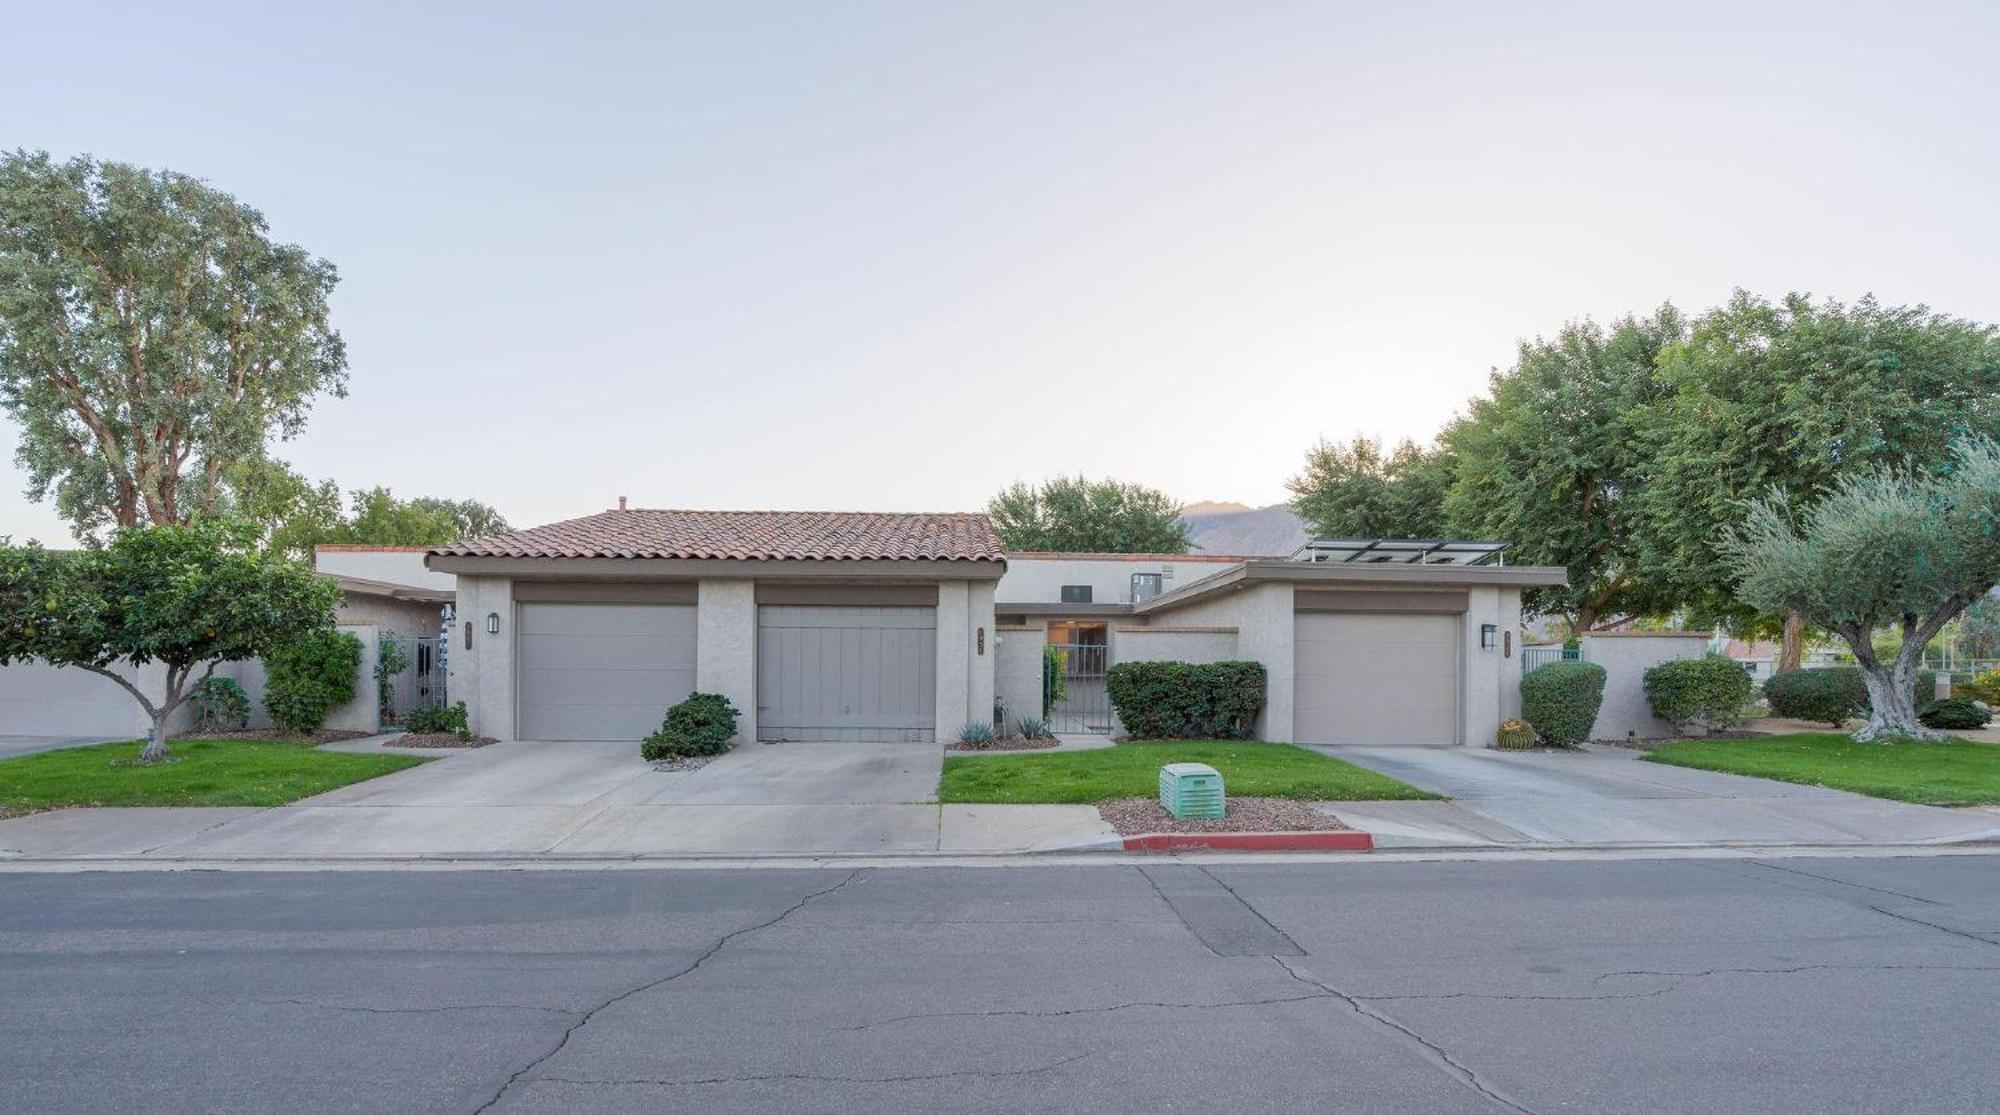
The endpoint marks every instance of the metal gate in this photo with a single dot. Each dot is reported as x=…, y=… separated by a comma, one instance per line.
x=420, y=681
x=1074, y=695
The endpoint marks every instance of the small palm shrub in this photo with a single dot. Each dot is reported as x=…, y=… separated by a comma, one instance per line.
x=309, y=678
x=1516, y=735
x=975, y=734
x=1703, y=694
x=703, y=724
x=220, y=705
x=1033, y=727
x=1561, y=701
x=1953, y=714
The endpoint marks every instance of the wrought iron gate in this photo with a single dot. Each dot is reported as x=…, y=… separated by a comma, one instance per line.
x=420, y=682
x=1074, y=696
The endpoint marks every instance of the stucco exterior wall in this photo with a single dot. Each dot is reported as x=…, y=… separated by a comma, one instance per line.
x=725, y=648
x=1017, y=670
x=404, y=617
x=364, y=712
x=1262, y=617
x=1173, y=644
x=980, y=681
x=1625, y=659
x=482, y=675
x=954, y=659
x=394, y=566
x=1040, y=580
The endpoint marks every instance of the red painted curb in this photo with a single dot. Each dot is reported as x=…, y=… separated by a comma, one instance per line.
x=1346, y=840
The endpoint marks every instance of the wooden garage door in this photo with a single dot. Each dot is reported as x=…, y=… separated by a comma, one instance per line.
x=1375, y=678
x=602, y=671
x=842, y=672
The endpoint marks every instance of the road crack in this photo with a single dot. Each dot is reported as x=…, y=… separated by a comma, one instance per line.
x=688, y=969
x=1426, y=1048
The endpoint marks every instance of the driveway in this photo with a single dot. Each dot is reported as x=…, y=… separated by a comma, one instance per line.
x=1605, y=795
x=588, y=799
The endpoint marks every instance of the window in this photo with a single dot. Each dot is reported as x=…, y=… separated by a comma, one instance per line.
x=1076, y=594
x=1145, y=586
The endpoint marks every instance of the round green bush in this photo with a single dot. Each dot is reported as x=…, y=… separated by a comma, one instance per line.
x=309, y=678
x=1185, y=700
x=1703, y=694
x=1953, y=714
x=1561, y=701
x=703, y=724
x=1832, y=694
x=220, y=705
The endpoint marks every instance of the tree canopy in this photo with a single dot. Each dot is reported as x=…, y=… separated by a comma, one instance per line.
x=151, y=336
x=1354, y=490
x=1883, y=548
x=1090, y=516
x=187, y=597
x=292, y=514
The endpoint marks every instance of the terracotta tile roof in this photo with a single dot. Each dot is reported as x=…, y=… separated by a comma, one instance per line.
x=747, y=536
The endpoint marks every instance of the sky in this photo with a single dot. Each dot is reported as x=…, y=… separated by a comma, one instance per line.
x=896, y=256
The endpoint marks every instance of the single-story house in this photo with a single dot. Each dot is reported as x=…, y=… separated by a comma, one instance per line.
x=906, y=627
x=388, y=586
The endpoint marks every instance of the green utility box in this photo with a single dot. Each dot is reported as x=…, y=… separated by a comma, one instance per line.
x=1191, y=790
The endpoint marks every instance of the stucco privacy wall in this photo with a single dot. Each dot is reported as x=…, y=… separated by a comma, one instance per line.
x=394, y=565
x=1262, y=617
x=725, y=646
x=37, y=699
x=1017, y=670
x=1173, y=643
x=364, y=712
x=1626, y=658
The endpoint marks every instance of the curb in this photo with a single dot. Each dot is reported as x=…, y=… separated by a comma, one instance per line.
x=1344, y=840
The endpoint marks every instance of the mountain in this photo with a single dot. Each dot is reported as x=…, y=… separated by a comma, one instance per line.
x=1234, y=528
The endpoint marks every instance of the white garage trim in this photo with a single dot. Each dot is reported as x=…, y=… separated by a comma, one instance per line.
x=1377, y=678
x=591, y=671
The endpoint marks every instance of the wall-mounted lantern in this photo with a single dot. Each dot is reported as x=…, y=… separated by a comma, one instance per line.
x=1489, y=636
x=493, y=623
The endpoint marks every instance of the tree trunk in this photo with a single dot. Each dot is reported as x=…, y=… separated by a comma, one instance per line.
x=1792, y=650
x=155, y=750
x=1892, y=708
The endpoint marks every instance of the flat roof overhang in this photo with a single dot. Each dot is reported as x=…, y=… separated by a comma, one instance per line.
x=1356, y=574
x=1044, y=608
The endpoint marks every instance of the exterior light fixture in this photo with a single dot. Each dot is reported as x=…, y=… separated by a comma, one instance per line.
x=1489, y=636
x=493, y=623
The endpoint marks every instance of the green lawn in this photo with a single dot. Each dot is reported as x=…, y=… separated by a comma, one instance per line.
x=1961, y=773
x=1133, y=770
x=204, y=772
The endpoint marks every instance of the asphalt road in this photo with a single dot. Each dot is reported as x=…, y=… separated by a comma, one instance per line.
x=1822, y=985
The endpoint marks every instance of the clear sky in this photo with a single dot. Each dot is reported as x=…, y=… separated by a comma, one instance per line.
x=895, y=256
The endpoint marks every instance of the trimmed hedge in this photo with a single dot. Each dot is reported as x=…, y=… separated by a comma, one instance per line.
x=1698, y=694
x=1832, y=694
x=1953, y=714
x=1183, y=700
x=1561, y=701
x=703, y=724
x=310, y=678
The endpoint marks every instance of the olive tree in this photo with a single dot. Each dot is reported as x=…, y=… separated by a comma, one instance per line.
x=187, y=597
x=1884, y=548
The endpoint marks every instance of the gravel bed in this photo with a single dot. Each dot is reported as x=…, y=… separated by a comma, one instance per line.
x=682, y=766
x=1008, y=745
x=437, y=740
x=1133, y=816
x=324, y=735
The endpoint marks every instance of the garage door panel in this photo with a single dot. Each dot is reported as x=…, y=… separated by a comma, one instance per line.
x=1376, y=678
x=846, y=672
x=602, y=671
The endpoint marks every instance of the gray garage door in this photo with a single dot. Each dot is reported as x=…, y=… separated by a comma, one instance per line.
x=602, y=671
x=846, y=673
x=1375, y=678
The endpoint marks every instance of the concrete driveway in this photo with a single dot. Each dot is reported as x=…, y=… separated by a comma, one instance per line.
x=1605, y=795
x=588, y=799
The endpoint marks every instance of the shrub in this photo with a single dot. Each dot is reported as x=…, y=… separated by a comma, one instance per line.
x=1698, y=694
x=220, y=705
x=1182, y=700
x=975, y=734
x=309, y=678
x=703, y=724
x=1055, y=669
x=1832, y=694
x=1983, y=687
x=390, y=660
x=1033, y=727
x=430, y=719
x=1561, y=700
x=1515, y=735
x=1956, y=713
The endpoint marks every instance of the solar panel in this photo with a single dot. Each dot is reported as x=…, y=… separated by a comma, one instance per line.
x=1398, y=551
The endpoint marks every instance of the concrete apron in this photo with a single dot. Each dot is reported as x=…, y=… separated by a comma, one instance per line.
x=1605, y=797
x=588, y=800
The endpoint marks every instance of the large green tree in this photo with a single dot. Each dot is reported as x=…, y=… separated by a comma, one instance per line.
x=152, y=335
x=1355, y=490
x=1088, y=516
x=1796, y=395
x=186, y=597
x=293, y=514
x=1882, y=548
x=1552, y=461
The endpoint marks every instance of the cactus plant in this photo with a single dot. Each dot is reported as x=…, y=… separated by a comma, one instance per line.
x=1516, y=735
